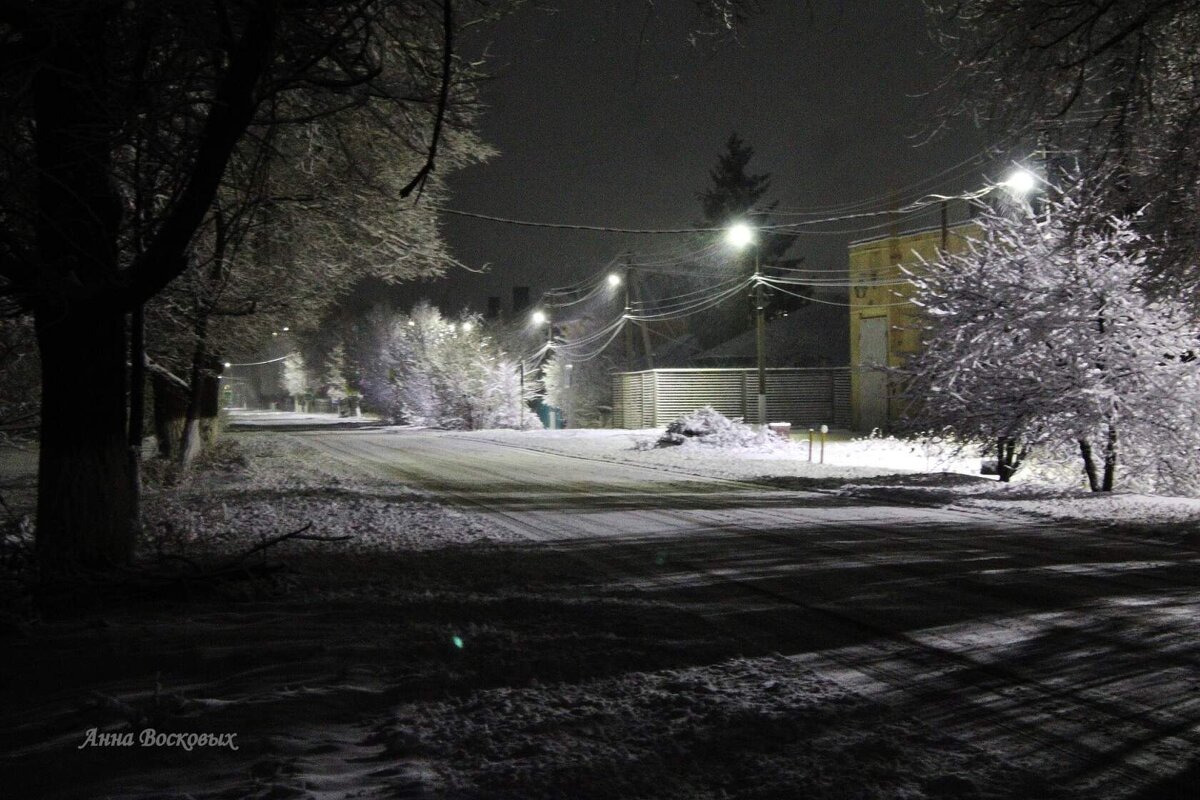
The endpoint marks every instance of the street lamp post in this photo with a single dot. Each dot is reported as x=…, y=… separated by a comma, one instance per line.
x=742, y=235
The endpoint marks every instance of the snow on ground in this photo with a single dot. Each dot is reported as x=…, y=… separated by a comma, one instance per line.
x=432, y=655
x=273, y=485
x=886, y=469
x=745, y=727
x=512, y=717
x=251, y=418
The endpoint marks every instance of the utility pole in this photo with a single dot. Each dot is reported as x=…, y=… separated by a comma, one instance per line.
x=521, y=394
x=645, y=335
x=760, y=323
x=628, y=315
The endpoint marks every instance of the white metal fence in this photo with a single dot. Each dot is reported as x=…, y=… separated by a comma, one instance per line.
x=798, y=395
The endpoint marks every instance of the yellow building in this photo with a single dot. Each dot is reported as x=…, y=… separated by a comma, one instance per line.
x=883, y=321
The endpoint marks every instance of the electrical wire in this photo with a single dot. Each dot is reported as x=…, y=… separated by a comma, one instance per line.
x=953, y=171
x=684, y=263
x=260, y=363
x=578, y=358
x=833, y=302
x=644, y=305
x=693, y=309
x=923, y=202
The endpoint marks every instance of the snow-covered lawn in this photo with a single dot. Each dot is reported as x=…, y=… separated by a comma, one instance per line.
x=887, y=469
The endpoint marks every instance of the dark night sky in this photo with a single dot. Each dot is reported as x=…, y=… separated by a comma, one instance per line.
x=594, y=128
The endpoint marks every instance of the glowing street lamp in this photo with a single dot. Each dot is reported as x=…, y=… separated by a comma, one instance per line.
x=614, y=280
x=741, y=236
x=539, y=318
x=1021, y=182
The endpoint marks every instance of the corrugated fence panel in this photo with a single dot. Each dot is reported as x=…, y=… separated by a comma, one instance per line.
x=841, y=399
x=627, y=412
x=800, y=396
x=682, y=392
x=649, y=398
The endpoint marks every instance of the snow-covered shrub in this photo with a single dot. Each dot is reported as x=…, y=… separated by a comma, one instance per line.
x=707, y=426
x=1045, y=334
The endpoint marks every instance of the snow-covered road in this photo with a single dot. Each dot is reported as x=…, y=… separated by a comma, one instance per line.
x=1067, y=652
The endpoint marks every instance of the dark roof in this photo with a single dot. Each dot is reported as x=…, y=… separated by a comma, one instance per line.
x=816, y=335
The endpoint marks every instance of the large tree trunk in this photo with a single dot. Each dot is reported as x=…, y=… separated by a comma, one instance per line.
x=170, y=413
x=86, y=503
x=210, y=403
x=1089, y=464
x=1008, y=458
x=1110, y=460
x=203, y=409
x=137, y=408
x=192, y=444
x=85, y=485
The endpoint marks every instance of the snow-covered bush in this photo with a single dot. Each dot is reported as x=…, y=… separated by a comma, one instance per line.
x=707, y=426
x=1044, y=334
x=424, y=369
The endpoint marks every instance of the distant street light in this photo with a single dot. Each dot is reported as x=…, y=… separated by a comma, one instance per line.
x=539, y=318
x=614, y=280
x=741, y=235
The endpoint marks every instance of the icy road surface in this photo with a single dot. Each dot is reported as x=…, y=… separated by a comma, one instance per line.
x=1067, y=652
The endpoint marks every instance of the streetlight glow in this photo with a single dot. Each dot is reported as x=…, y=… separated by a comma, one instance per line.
x=614, y=280
x=740, y=235
x=1021, y=181
x=539, y=318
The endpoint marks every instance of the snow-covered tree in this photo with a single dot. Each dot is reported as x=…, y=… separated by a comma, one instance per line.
x=425, y=369
x=1043, y=333
x=196, y=81
x=296, y=378
x=1113, y=83
x=579, y=388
